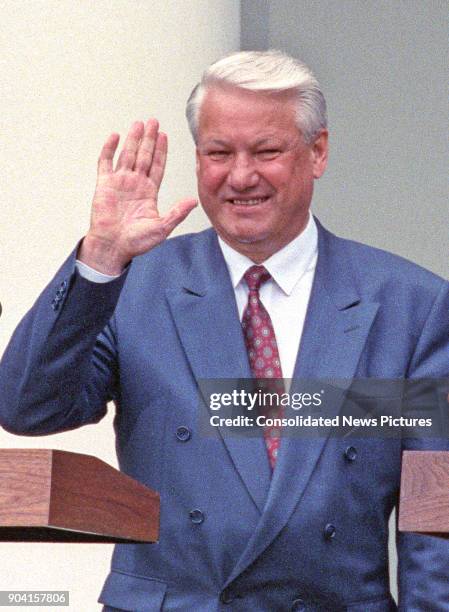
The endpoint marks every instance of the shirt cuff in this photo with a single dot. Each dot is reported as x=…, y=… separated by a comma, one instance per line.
x=94, y=275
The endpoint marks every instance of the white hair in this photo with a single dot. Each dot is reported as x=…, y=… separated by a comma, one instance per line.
x=265, y=71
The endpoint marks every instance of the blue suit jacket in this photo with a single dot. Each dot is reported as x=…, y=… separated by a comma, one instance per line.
x=252, y=543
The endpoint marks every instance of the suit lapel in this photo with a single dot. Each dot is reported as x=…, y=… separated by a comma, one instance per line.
x=206, y=317
x=335, y=331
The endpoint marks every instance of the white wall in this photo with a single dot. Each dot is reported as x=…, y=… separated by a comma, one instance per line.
x=73, y=72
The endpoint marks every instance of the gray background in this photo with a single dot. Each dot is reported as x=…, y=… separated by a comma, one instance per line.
x=383, y=69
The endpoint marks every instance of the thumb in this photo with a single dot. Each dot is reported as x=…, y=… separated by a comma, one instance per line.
x=178, y=213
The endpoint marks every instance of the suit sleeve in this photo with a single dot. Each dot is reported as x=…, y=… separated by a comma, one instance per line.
x=59, y=369
x=423, y=561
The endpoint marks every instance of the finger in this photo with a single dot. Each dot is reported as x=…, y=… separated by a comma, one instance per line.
x=147, y=146
x=177, y=214
x=128, y=154
x=157, y=169
x=107, y=154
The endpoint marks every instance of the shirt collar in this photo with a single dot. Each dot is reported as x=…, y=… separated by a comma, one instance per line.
x=286, y=266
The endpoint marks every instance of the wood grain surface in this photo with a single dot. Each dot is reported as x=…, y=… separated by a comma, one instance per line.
x=424, y=500
x=55, y=495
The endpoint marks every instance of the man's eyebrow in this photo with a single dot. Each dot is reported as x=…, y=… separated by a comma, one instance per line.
x=272, y=139
x=215, y=141
x=267, y=140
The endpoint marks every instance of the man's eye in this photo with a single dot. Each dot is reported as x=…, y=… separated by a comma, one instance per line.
x=268, y=153
x=217, y=155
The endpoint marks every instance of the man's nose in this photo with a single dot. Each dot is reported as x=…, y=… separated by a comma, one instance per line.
x=243, y=173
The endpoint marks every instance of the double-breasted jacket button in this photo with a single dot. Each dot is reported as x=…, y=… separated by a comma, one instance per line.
x=196, y=516
x=329, y=531
x=350, y=453
x=298, y=606
x=183, y=433
x=226, y=596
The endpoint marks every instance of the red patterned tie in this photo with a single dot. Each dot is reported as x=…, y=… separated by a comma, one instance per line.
x=262, y=349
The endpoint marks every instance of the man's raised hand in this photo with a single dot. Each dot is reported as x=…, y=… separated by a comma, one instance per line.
x=125, y=221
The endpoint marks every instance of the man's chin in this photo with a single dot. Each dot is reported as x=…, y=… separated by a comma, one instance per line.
x=244, y=238
x=257, y=247
x=248, y=240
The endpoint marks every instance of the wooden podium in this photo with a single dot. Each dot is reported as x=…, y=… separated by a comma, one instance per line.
x=58, y=496
x=424, y=499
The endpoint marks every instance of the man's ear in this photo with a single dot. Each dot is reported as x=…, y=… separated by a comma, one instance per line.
x=320, y=151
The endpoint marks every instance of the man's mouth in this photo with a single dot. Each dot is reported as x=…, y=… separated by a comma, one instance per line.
x=248, y=201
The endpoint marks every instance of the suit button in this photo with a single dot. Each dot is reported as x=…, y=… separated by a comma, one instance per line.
x=196, y=516
x=226, y=596
x=183, y=434
x=298, y=606
x=329, y=531
x=55, y=305
x=350, y=453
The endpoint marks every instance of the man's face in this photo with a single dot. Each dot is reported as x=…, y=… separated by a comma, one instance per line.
x=255, y=172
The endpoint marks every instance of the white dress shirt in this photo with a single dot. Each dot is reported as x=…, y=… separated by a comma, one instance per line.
x=285, y=295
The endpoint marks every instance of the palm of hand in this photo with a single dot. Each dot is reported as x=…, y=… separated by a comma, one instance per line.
x=125, y=221
x=125, y=208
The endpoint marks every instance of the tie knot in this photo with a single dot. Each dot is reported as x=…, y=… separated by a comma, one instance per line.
x=255, y=277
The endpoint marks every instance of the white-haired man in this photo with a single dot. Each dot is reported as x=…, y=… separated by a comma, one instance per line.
x=264, y=523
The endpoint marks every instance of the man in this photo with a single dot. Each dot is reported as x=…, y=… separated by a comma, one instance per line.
x=257, y=523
